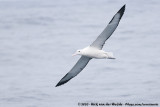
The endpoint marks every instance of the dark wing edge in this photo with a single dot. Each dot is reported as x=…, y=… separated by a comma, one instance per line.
x=107, y=32
x=121, y=12
x=78, y=67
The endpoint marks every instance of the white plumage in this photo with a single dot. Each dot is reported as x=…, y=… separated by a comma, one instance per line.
x=94, y=50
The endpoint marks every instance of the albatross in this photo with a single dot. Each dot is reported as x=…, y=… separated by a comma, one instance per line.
x=95, y=49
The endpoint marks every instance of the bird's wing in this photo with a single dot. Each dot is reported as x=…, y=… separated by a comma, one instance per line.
x=107, y=32
x=78, y=67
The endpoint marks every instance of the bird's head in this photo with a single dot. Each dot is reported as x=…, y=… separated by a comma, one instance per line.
x=78, y=52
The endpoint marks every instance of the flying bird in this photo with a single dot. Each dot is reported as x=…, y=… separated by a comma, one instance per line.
x=95, y=49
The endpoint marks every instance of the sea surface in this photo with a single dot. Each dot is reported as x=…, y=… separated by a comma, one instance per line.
x=38, y=37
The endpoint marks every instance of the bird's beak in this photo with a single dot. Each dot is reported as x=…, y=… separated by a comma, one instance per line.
x=74, y=54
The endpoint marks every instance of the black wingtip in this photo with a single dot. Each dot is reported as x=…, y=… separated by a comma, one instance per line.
x=57, y=85
x=62, y=81
x=121, y=11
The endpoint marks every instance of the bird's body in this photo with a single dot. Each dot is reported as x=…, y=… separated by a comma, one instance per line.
x=93, y=52
x=95, y=49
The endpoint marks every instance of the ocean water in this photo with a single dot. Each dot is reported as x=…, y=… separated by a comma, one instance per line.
x=37, y=39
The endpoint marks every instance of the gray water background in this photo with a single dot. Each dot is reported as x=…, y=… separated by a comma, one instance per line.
x=37, y=39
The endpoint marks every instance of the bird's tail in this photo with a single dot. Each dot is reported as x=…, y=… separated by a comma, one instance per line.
x=110, y=55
